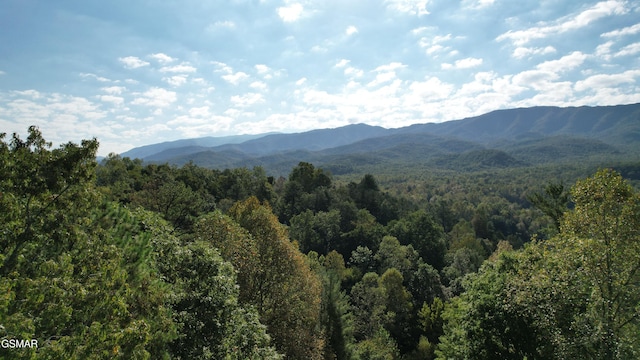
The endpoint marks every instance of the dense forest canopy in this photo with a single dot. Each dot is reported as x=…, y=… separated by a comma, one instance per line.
x=128, y=259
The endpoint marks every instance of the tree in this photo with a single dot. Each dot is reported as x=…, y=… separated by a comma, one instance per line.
x=204, y=298
x=575, y=295
x=553, y=202
x=317, y=232
x=601, y=237
x=424, y=234
x=67, y=274
x=273, y=275
x=40, y=190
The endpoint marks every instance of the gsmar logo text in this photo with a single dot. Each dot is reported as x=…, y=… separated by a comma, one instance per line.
x=18, y=343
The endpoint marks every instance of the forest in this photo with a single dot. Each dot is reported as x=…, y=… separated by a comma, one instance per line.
x=124, y=259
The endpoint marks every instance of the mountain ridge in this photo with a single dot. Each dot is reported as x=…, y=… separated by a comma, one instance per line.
x=521, y=136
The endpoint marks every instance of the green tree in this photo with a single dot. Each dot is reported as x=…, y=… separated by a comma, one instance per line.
x=424, y=234
x=68, y=275
x=317, y=232
x=275, y=278
x=573, y=296
x=601, y=237
x=553, y=202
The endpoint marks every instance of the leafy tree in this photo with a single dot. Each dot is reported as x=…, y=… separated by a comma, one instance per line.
x=573, y=296
x=601, y=237
x=366, y=232
x=553, y=202
x=317, y=232
x=177, y=203
x=69, y=276
x=204, y=298
x=273, y=275
x=424, y=234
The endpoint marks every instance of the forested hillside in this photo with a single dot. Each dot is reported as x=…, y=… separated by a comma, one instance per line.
x=489, y=257
x=524, y=137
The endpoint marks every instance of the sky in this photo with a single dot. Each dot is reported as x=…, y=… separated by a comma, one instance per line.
x=137, y=72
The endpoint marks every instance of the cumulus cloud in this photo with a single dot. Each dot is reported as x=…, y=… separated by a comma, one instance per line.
x=291, y=12
x=156, y=97
x=116, y=100
x=629, y=30
x=565, y=63
x=574, y=22
x=235, y=78
x=466, y=63
x=600, y=81
x=523, y=52
x=258, y=85
x=94, y=76
x=182, y=68
x=162, y=58
x=351, y=30
x=114, y=90
x=133, y=62
x=176, y=80
x=413, y=7
x=629, y=50
x=247, y=99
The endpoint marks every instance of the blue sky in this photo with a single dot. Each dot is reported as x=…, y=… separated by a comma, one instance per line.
x=137, y=72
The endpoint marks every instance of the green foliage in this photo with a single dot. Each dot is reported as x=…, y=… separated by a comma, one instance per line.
x=553, y=202
x=424, y=234
x=277, y=279
x=573, y=296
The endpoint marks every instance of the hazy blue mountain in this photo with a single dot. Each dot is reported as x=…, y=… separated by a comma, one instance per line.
x=504, y=138
x=619, y=124
x=313, y=140
x=194, y=145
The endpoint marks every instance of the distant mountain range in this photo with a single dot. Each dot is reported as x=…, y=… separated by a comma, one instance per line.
x=503, y=138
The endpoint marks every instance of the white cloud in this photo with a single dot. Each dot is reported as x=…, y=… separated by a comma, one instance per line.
x=353, y=72
x=413, y=7
x=342, y=63
x=631, y=49
x=258, y=85
x=580, y=20
x=386, y=73
x=351, y=30
x=199, y=111
x=132, y=62
x=162, y=58
x=116, y=100
x=117, y=90
x=236, y=78
x=247, y=99
x=629, y=30
x=290, y=13
x=156, y=97
x=222, y=67
x=600, y=81
x=604, y=50
x=522, y=52
x=477, y=4
x=95, y=77
x=176, y=80
x=182, y=68
x=262, y=69
x=466, y=63
x=565, y=63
